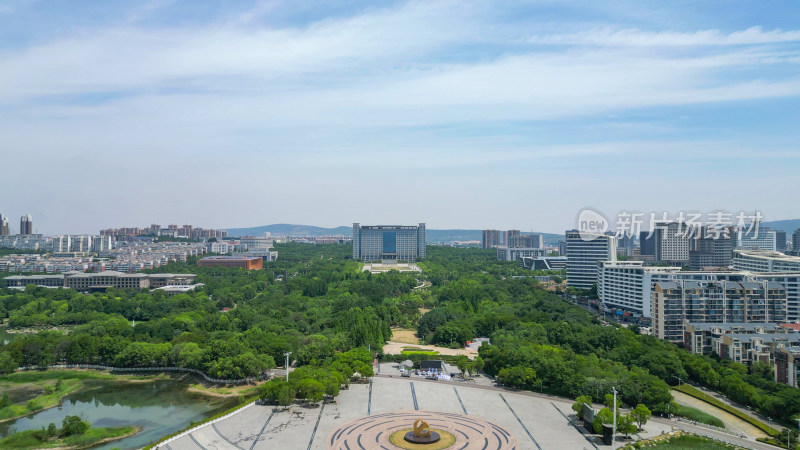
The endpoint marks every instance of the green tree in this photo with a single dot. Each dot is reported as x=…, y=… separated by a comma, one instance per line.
x=462, y=362
x=286, y=395
x=52, y=430
x=518, y=376
x=332, y=389
x=604, y=416
x=270, y=390
x=5, y=401
x=73, y=425
x=626, y=425
x=311, y=390
x=578, y=405
x=7, y=363
x=641, y=414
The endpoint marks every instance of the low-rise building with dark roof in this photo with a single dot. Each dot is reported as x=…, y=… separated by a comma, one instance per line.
x=240, y=262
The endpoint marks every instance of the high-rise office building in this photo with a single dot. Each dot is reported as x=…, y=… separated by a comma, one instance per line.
x=711, y=249
x=389, y=242
x=671, y=242
x=26, y=224
x=4, y=225
x=762, y=239
x=780, y=240
x=584, y=252
x=647, y=244
x=626, y=244
x=491, y=239
x=796, y=240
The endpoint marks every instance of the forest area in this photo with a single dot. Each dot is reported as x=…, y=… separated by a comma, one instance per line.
x=316, y=303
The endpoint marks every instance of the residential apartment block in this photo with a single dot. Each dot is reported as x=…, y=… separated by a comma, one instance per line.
x=491, y=239
x=680, y=301
x=26, y=225
x=4, y=230
x=787, y=366
x=705, y=338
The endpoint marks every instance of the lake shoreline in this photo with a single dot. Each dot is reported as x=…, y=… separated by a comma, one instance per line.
x=98, y=375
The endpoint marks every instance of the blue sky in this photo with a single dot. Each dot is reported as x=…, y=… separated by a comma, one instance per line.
x=459, y=114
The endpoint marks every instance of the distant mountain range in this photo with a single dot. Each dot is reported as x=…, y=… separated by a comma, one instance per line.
x=789, y=226
x=433, y=236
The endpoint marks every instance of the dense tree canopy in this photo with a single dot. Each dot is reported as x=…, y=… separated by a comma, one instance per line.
x=317, y=303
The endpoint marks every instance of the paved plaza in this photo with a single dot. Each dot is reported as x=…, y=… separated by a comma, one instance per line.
x=530, y=421
x=534, y=422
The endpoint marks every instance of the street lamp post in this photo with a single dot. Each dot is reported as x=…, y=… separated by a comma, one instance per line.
x=287, y=365
x=614, y=414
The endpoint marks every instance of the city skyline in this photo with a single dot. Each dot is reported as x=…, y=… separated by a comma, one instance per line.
x=250, y=112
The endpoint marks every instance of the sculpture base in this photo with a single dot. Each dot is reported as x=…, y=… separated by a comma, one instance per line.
x=432, y=438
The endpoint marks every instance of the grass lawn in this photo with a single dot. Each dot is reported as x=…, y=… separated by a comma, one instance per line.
x=405, y=336
x=420, y=352
x=689, y=441
x=697, y=393
x=39, y=402
x=39, y=375
x=27, y=440
x=699, y=416
x=215, y=390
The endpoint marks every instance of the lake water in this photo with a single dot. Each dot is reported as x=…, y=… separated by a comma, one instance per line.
x=159, y=407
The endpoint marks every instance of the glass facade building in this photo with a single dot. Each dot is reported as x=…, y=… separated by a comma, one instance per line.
x=388, y=242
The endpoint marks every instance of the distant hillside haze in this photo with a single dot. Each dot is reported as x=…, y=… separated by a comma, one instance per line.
x=789, y=226
x=433, y=236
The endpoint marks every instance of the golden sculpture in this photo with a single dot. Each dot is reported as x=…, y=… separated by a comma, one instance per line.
x=421, y=428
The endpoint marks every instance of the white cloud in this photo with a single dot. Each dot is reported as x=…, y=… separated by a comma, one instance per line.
x=614, y=37
x=314, y=114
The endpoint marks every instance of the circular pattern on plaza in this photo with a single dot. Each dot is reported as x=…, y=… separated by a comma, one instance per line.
x=375, y=432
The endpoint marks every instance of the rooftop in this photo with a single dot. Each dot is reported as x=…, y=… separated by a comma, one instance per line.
x=229, y=258
x=766, y=254
x=792, y=337
x=730, y=325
